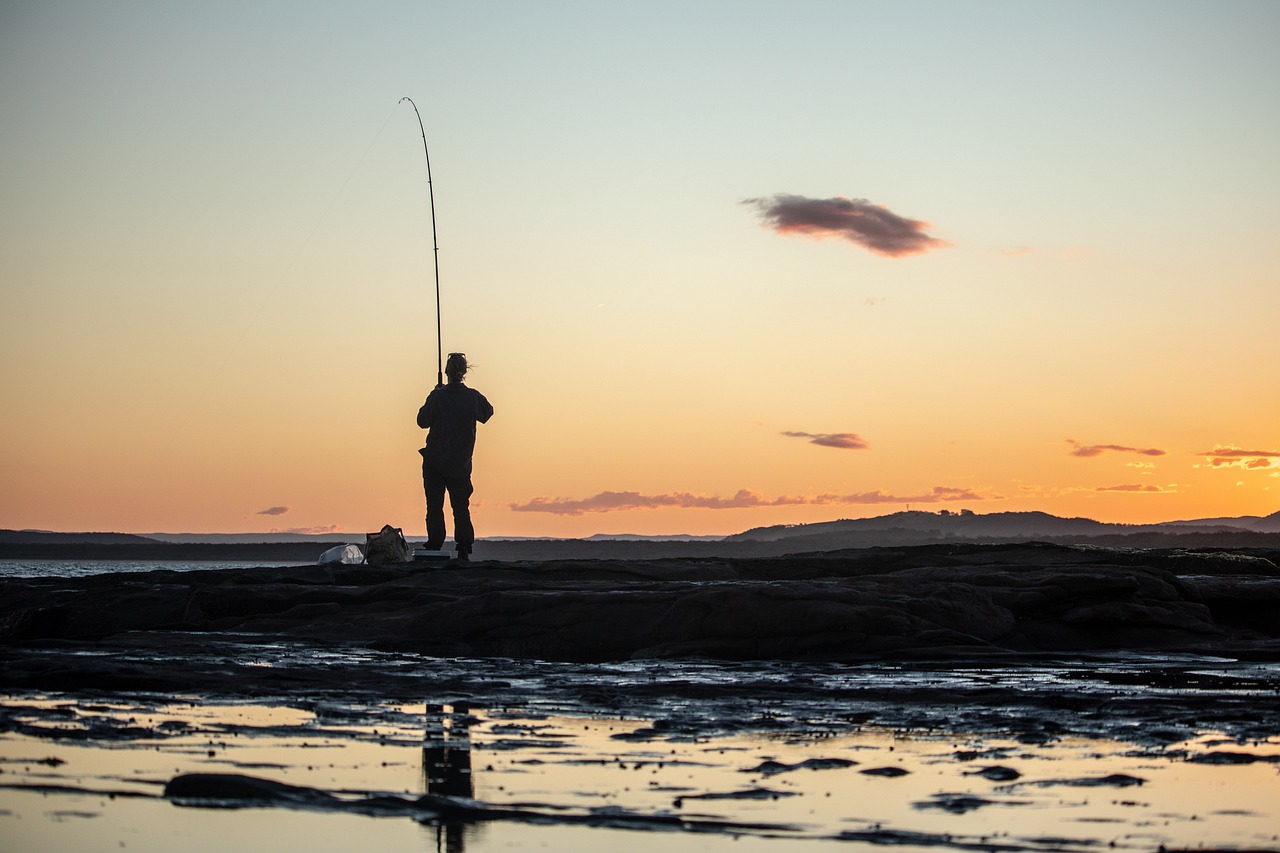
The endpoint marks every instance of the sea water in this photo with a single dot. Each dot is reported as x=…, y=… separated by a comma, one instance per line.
x=82, y=568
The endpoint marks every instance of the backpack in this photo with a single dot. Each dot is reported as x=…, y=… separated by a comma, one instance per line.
x=386, y=546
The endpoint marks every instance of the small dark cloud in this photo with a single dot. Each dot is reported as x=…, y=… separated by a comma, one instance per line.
x=743, y=499
x=1091, y=450
x=1235, y=457
x=842, y=440
x=872, y=226
x=273, y=510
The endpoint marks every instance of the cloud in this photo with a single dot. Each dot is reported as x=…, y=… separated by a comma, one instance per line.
x=1090, y=450
x=273, y=510
x=621, y=501
x=743, y=499
x=842, y=440
x=1235, y=457
x=323, y=528
x=1138, y=487
x=872, y=226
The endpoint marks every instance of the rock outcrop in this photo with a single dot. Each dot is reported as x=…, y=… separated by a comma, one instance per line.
x=873, y=603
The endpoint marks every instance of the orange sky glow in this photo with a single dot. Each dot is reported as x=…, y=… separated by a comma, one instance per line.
x=1048, y=284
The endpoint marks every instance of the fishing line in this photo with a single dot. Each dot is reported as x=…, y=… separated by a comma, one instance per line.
x=435, y=243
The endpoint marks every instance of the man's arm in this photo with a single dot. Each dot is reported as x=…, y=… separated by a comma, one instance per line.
x=426, y=414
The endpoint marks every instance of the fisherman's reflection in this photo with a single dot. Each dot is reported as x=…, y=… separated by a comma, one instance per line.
x=446, y=767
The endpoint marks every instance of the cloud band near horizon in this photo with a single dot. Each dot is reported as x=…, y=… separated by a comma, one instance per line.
x=1088, y=451
x=743, y=499
x=1235, y=457
x=1139, y=488
x=872, y=226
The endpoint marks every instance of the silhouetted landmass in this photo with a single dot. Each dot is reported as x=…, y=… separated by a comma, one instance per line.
x=517, y=550
x=48, y=537
x=1035, y=525
x=894, y=530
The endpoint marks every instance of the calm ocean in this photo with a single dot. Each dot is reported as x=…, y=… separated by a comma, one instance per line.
x=81, y=568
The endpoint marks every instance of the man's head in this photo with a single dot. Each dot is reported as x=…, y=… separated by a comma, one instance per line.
x=456, y=367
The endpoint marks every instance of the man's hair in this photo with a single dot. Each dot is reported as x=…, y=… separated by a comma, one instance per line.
x=456, y=367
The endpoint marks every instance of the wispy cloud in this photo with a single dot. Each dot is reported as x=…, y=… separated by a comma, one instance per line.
x=1139, y=488
x=842, y=440
x=872, y=226
x=1235, y=457
x=1090, y=450
x=743, y=499
x=273, y=510
x=323, y=528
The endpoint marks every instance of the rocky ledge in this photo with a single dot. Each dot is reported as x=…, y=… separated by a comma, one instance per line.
x=931, y=600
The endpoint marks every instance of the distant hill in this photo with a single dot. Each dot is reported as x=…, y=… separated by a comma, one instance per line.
x=48, y=537
x=887, y=531
x=645, y=537
x=965, y=523
x=1258, y=524
x=917, y=526
x=1269, y=524
x=254, y=538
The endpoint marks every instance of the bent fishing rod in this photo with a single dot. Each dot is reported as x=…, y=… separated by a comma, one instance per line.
x=435, y=245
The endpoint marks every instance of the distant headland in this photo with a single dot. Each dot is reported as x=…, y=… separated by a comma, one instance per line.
x=898, y=529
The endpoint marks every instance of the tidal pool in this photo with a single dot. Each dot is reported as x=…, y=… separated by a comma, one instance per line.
x=92, y=774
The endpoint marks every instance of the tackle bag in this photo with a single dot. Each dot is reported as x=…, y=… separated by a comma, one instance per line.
x=386, y=546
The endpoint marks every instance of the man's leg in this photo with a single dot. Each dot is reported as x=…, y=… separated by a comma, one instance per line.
x=464, y=535
x=434, y=485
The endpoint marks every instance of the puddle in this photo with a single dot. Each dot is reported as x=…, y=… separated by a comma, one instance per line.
x=92, y=774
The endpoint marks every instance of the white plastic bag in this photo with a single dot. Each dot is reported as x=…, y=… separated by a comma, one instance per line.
x=348, y=554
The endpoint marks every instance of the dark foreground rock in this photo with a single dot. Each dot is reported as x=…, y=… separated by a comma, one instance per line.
x=855, y=605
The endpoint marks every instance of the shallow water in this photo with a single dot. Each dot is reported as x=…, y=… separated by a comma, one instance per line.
x=83, y=774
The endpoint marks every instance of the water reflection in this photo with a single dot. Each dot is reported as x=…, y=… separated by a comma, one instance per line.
x=446, y=766
x=72, y=772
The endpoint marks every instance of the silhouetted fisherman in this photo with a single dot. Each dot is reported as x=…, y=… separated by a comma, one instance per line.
x=451, y=413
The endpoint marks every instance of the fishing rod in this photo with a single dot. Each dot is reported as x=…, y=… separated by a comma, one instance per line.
x=435, y=245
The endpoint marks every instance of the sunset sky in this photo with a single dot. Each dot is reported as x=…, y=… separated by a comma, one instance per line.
x=716, y=264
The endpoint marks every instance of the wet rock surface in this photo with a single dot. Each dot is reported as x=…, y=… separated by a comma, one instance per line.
x=945, y=600
x=1038, y=641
